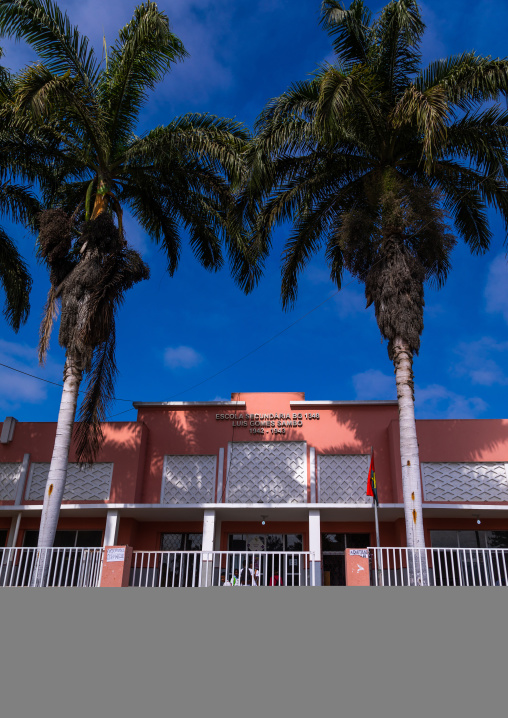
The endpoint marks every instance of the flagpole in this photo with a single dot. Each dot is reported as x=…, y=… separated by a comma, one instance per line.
x=378, y=542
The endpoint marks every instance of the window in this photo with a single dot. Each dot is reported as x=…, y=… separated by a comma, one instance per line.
x=469, y=539
x=333, y=547
x=340, y=542
x=67, y=539
x=285, y=568
x=180, y=569
x=268, y=542
x=65, y=565
x=181, y=542
x=3, y=541
x=470, y=567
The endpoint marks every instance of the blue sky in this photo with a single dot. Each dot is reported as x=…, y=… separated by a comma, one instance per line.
x=176, y=333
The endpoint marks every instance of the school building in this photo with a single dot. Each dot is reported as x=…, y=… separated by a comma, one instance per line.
x=265, y=489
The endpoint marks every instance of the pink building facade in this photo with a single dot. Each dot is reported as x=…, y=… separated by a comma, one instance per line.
x=261, y=473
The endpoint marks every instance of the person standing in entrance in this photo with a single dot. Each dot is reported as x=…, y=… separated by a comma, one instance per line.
x=248, y=576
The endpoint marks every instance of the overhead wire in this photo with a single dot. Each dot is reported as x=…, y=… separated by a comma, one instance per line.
x=245, y=356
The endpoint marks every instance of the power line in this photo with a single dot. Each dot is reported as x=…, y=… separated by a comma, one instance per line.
x=253, y=351
x=54, y=383
x=31, y=375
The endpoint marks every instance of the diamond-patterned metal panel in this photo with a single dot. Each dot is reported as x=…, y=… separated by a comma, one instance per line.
x=343, y=478
x=273, y=472
x=90, y=483
x=188, y=479
x=465, y=482
x=9, y=477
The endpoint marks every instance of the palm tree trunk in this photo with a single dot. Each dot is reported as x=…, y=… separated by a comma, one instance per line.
x=410, y=460
x=55, y=484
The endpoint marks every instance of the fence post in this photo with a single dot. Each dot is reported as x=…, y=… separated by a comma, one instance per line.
x=315, y=546
x=357, y=567
x=206, y=557
x=116, y=566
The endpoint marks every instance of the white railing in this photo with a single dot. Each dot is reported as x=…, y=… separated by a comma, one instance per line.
x=222, y=568
x=400, y=566
x=50, y=566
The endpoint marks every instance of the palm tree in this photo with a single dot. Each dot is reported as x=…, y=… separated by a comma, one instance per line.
x=174, y=177
x=370, y=159
x=19, y=203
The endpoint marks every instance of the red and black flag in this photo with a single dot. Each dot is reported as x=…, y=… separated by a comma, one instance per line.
x=371, y=481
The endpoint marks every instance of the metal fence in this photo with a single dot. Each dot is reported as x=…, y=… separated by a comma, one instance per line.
x=400, y=566
x=50, y=566
x=221, y=568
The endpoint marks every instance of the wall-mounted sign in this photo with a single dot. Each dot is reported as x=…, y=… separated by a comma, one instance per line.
x=115, y=554
x=277, y=423
x=363, y=552
x=256, y=543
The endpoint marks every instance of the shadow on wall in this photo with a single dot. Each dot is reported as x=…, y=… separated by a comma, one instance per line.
x=463, y=439
x=357, y=429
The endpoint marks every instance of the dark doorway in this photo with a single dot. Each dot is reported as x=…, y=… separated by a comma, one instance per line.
x=333, y=546
x=334, y=569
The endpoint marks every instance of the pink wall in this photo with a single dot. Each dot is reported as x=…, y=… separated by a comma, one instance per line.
x=125, y=445
x=341, y=429
x=138, y=448
x=460, y=440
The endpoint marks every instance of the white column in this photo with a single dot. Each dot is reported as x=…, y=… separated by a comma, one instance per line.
x=22, y=480
x=220, y=477
x=112, y=524
x=312, y=459
x=208, y=540
x=14, y=530
x=315, y=545
x=217, y=535
x=12, y=540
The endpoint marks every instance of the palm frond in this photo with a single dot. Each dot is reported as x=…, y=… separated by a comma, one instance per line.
x=467, y=79
x=143, y=53
x=345, y=93
x=429, y=112
x=398, y=33
x=16, y=282
x=99, y=393
x=213, y=141
x=19, y=203
x=59, y=44
x=157, y=218
x=300, y=100
x=49, y=316
x=349, y=29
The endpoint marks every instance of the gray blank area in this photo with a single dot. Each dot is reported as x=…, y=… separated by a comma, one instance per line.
x=288, y=652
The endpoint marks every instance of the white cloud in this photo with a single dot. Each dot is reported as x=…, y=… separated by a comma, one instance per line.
x=17, y=388
x=182, y=357
x=431, y=402
x=438, y=402
x=373, y=384
x=202, y=25
x=496, y=291
x=478, y=363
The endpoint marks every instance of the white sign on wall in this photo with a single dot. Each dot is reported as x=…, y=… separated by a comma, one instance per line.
x=256, y=543
x=363, y=552
x=115, y=554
